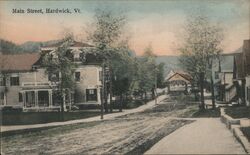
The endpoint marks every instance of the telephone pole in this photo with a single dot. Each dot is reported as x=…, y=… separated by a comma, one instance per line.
x=102, y=89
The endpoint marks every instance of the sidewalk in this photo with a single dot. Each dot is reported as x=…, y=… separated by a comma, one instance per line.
x=204, y=136
x=15, y=128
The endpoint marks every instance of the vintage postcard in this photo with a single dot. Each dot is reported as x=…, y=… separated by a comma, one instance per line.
x=125, y=77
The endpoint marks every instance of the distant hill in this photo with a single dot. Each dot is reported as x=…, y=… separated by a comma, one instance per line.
x=171, y=63
x=8, y=47
x=31, y=46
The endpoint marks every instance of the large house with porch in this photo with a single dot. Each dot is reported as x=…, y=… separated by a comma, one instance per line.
x=24, y=82
x=242, y=73
x=222, y=73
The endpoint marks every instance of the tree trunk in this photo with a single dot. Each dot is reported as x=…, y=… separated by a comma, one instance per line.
x=212, y=92
x=121, y=103
x=62, y=107
x=243, y=92
x=105, y=98
x=153, y=93
x=110, y=96
x=202, y=105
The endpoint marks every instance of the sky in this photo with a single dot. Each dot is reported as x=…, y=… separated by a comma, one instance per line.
x=157, y=23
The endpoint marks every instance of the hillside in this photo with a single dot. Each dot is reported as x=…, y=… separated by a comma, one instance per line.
x=8, y=47
x=171, y=63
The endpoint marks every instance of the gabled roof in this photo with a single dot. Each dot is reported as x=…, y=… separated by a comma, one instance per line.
x=18, y=62
x=181, y=73
x=73, y=44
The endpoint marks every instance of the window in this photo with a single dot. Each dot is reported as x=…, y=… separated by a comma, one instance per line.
x=77, y=76
x=91, y=94
x=248, y=93
x=14, y=81
x=2, y=81
x=2, y=95
x=20, y=96
x=53, y=76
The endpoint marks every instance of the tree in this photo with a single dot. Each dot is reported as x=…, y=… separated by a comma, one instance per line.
x=147, y=72
x=4, y=74
x=60, y=68
x=107, y=36
x=201, y=46
x=160, y=75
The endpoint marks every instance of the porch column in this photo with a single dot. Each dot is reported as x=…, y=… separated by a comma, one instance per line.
x=36, y=98
x=70, y=100
x=98, y=95
x=50, y=98
x=64, y=102
x=24, y=98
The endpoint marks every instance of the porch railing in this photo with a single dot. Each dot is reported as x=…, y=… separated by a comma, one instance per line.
x=36, y=84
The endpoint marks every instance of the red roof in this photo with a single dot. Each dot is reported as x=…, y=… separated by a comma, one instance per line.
x=18, y=62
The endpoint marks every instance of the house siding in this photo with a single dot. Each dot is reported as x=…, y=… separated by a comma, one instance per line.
x=12, y=93
x=89, y=79
x=247, y=90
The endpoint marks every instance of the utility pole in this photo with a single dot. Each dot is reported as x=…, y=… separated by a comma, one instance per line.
x=212, y=84
x=155, y=88
x=110, y=89
x=102, y=89
x=106, y=74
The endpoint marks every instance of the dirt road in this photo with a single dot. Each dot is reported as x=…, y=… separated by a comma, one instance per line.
x=132, y=133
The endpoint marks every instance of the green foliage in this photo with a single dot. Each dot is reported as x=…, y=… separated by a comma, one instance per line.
x=147, y=70
x=201, y=45
x=160, y=75
x=60, y=63
x=202, y=41
x=107, y=36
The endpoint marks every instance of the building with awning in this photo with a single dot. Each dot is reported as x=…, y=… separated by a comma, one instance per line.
x=178, y=82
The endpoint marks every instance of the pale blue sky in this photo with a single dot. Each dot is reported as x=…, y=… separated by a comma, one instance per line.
x=155, y=22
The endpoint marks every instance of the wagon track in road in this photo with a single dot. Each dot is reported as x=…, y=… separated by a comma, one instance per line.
x=130, y=133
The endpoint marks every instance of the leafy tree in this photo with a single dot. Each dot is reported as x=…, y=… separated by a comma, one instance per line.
x=147, y=72
x=160, y=75
x=60, y=68
x=201, y=45
x=108, y=37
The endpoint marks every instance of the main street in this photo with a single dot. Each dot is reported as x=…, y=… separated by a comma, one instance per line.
x=133, y=132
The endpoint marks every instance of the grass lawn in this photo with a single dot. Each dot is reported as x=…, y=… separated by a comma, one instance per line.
x=238, y=112
x=207, y=113
x=24, y=118
x=246, y=132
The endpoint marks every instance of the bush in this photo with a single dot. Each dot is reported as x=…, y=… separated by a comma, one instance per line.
x=246, y=132
x=238, y=112
x=23, y=118
x=11, y=109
